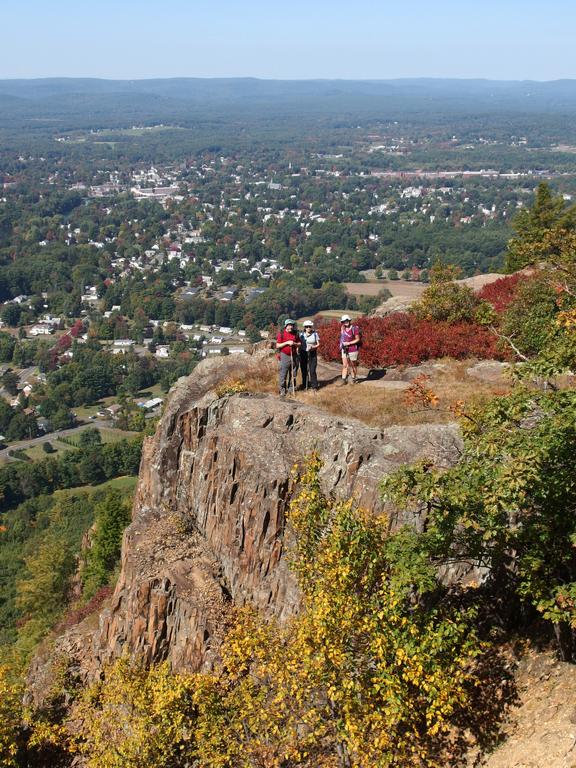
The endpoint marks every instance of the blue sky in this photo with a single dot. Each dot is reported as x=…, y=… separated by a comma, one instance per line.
x=294, y=39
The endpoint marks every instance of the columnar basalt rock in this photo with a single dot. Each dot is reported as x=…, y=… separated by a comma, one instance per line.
x=209, y=526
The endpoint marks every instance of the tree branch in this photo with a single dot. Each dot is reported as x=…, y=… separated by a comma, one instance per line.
x=509, y=341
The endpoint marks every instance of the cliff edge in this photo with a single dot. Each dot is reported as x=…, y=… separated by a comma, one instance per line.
x=209, y=518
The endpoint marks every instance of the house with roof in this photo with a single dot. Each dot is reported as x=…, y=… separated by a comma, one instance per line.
x=150, y=405
x=189, y=293
x=41, y=330
x=112, y=411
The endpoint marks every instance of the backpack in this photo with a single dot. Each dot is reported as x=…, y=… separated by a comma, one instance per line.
x=357, y=332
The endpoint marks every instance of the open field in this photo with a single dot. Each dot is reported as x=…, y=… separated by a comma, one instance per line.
x=108, y=435
x=125, y=482
x=150, y=392
x=37, y=452
x=396, y=288
x=83, y=412
x=330, y=314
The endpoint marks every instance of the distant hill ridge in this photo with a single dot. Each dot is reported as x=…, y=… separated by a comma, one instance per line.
x=477, y=94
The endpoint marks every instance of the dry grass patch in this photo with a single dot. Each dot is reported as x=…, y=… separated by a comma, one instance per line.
x=379, y=403
x=396, y=288
x=262, y=376
x=379, y=406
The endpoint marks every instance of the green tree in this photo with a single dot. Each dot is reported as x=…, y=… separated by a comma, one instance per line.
x=111, y=516
x=10, y=381
x=11, y=314
x=22, y=426
x=529, y=319
x=89, y=437
x=509, y=505
x=548, y=212
x=7, y=345
x=43, y=589
x=540, y=324
x=253, y=334
x=61, y=418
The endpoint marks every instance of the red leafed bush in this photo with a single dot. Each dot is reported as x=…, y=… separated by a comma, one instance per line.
x=402, y=339
x=501, y=293
x=77, y=329
x=75, y=616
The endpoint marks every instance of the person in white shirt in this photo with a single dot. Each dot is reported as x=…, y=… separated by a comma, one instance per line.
x=309, y=355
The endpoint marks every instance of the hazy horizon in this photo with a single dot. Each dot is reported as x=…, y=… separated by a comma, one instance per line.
x=294, y=79
x=522, y=41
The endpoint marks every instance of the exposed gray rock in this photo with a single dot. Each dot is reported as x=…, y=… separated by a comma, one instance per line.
x=430, y=368
x=491, y=371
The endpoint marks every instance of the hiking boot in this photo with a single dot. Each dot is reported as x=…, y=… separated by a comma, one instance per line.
x=344, y=382
x=354, y=381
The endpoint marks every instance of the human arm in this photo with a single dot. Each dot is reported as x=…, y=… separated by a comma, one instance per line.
x=282, y=342
x=355, y=340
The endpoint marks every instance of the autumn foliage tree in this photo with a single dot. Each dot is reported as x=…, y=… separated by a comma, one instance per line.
x=367, y=675
x=11, y=729
x=136, y=716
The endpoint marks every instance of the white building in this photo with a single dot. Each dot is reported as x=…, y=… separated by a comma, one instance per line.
x=41, y=330
x=149, y=405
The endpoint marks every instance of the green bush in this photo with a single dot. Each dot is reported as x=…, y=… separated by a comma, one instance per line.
x=509, y=505
x=447, y=302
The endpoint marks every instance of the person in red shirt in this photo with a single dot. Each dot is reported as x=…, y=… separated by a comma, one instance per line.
x=349, y=346
x=288, y=346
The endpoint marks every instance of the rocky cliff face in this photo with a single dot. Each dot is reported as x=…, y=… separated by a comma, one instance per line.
x=209, y=520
